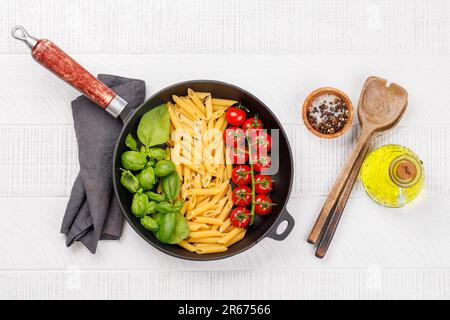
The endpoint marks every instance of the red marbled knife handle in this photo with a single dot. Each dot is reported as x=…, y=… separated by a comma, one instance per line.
x=61, y=64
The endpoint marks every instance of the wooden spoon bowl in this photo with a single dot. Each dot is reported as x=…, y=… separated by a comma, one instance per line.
x=381, y=105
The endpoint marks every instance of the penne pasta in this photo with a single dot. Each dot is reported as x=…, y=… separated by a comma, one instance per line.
x=226, y=210
x=206, y=234
x=200, y=209
x=196, y=168
x=237, y=238
x=204, y=240
x=197, y=123
x=173, y=117
x=202, y=95
x=230, y=235
x=217, y=108
x=186, y=109
x=196, y=100
x=187, y=246
x=195, y=226
x=211, y=249
x=209, y=220
x=204, y=192
x=184, y=208
x=209, y=107
x=223, y=102
x=225, y=225
x=217, y=114
x=199, y=110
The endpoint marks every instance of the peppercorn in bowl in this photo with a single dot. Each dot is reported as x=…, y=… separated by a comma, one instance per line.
x=327, y=112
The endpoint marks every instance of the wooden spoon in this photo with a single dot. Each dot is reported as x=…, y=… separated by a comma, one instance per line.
x=336, y=213
x=380, y=108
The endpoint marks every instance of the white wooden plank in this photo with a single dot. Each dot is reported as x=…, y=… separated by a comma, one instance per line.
x=359, y=283
x=369, y=235
x=35, y=96
x=214, y=26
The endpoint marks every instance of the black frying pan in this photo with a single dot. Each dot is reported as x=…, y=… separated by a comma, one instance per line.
x=53, y=58
x=262, y=227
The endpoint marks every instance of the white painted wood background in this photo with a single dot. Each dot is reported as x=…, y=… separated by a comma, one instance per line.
x=278, y=50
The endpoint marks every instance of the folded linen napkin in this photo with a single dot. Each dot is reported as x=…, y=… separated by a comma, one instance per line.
x=93, y=213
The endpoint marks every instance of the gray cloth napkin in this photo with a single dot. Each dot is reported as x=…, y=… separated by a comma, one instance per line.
x=93, y=213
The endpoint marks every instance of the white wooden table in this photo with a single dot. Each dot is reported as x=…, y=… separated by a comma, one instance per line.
x=278, y=50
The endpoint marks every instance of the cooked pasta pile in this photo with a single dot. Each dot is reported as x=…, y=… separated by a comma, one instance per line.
x=198, y=150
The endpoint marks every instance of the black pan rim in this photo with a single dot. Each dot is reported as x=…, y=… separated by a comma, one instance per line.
x=215, y=256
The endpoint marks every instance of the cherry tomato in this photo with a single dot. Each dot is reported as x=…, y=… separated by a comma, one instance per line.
x=252, y=123
x=263, y=184
x=260, y=141
x=238, y=155
x=260, y=162
x=241, y=175
x=240, y=217
x=234, y=136
x=242, y=196
x=263, y=204
x=235, y=116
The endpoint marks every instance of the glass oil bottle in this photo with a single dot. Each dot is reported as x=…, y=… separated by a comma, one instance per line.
x=392, y=175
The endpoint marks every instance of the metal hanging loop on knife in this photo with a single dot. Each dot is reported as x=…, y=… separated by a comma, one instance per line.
x=61, y=64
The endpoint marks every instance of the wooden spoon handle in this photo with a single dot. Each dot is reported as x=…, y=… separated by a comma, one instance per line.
x=336, y=213
x=336, y=190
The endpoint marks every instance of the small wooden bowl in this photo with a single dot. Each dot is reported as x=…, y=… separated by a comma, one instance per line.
x=321, y=91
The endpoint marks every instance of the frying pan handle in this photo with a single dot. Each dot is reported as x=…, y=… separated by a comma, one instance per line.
x=62, y=65
x=285, y=216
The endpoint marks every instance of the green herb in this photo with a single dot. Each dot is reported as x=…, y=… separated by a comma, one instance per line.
x=171, y=185
x=156, y=153
x=139, y=205
x=130, y=142
x=173, y=227
x=155, y=196
x=149, y=223
x=178, y=204
x=164, y=167
x=167, y=223
x=165, y=207
x=129, y=181
x=147, y=178
x=151, y=207
x=153, y=129
x=181, y=229
x=133, y=160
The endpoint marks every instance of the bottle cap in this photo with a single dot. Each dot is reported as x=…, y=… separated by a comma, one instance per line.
x=405, y=171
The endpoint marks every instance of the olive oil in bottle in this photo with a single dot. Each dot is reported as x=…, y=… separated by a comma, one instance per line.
x=392, y=175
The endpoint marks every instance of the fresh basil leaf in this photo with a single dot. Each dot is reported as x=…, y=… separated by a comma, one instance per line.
x=157, y=153
x=129, y=181
x=133, y=160
x=167, y=224
x=147, y=178
x=171, y=185
x=178, y=205
x=155, y=196
x=149, y=223
x=130, y=142
x=164, y=167
x=181, y=229
x=139, y=205
x=153, y=129
x=165, y=207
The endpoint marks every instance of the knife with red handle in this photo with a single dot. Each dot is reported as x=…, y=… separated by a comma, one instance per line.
x=61, y=64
